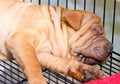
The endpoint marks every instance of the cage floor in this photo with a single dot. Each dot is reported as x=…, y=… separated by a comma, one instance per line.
x=10, y=73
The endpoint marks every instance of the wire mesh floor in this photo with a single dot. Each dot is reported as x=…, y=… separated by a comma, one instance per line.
x=10, y=73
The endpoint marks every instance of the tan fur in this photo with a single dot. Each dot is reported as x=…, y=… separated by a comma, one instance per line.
x=73, y=19
x=45, y=36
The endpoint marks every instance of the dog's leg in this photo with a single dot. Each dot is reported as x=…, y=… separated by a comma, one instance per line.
x=22, y=50
x=70, y=67
x=3, y=57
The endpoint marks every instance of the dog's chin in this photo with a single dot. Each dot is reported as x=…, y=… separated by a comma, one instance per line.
x=87, y=60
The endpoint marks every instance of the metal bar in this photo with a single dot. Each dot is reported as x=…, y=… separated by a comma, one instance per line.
x=4, y=74
x=94, y=6
x=14, y=63
x=84, y=4
x=49, y=77
x=106, y=72
x=113, y=28
x=60, y=77
x=3, y=82
x=108, y=69
x=12, y=67
x=75, y=4
x=114, y=59
x=11, y=71
x=104, y=9
x=57, y=2
x=9, y=76
x=116, y=53
x=22, y=81
x=6, y=79
x=53, y=75
x=50, y=80
x=66, y=3
x=115, y=64
x=112, y=67
x=48, y=2
x=39, y=2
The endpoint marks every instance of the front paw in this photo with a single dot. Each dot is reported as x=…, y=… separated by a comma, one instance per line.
x=85, y=73
x=92, y=74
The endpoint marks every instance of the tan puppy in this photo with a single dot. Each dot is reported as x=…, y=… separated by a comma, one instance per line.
x=52, y=37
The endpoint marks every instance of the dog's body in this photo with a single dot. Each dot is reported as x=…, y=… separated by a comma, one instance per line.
x=53, y=37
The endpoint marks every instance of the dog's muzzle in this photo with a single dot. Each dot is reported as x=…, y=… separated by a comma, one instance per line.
x=97, y=52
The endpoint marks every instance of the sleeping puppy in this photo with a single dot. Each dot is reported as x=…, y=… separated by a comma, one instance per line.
x=62, y=40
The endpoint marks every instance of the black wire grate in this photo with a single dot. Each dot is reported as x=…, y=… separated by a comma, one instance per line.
x=10, y=72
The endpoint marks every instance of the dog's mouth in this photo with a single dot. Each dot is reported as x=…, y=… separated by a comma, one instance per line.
x=96, y=53
x=87, y=59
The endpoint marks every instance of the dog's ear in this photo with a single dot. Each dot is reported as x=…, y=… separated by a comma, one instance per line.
x=73, y=18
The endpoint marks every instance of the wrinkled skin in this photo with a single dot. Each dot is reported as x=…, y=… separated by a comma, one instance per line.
x=87, y=41
x=52, y=37
x=97, y=51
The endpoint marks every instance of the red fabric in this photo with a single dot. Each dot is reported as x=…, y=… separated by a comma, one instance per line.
x=114, y=79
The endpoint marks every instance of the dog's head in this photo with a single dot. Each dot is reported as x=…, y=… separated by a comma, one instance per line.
x=87, y=41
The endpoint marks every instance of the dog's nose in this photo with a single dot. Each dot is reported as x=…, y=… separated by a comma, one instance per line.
x=109, y=48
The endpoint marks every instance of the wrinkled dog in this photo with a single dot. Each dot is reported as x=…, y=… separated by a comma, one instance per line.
x=62, y=40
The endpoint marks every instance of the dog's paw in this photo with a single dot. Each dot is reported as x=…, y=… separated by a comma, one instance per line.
x=92, y=74
x=86, y=73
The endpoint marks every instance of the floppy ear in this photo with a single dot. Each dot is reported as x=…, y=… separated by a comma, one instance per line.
x=73, y=18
